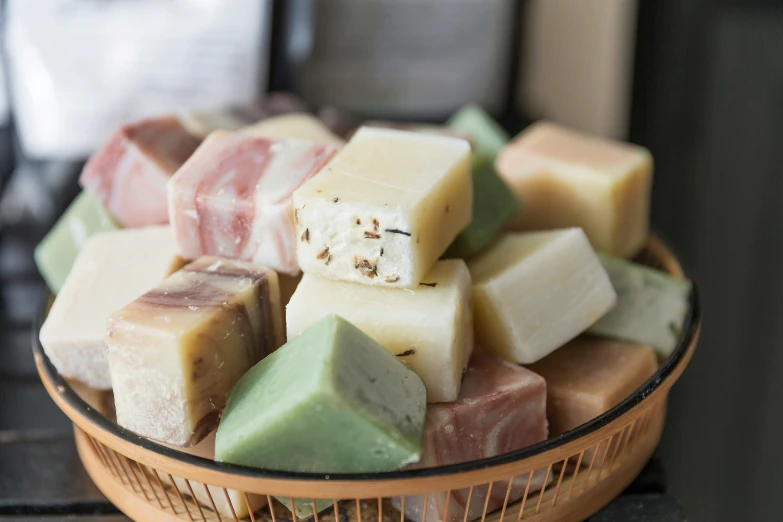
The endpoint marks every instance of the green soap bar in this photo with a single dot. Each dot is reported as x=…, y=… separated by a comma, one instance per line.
x=304, y=507
x=651, y=305
x=55, y=255
x=488, y=137
x=494, y=204
x=331, y=400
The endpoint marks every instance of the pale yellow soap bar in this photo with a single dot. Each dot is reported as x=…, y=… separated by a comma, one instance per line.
x=569, y=179
x=113, y=269
x=430, y=328
x=385, y=208
x=298, y=125
x=534, y=292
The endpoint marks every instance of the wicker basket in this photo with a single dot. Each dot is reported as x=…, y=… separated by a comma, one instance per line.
x=582, y=469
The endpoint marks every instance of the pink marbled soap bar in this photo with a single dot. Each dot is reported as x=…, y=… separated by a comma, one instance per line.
x=232, y=198
x=501, y=408
x=129, y=173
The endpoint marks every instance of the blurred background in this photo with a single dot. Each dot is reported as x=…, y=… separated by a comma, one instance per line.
x=700, y=83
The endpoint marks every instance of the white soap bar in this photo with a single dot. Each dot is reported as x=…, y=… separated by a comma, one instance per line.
x=298, y=125
x=534, y=292
x=385, y=208
x=113, y=269
x=568, y=179
x=429, y=328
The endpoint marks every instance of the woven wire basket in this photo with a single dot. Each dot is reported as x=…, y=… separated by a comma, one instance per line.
x=565, y=478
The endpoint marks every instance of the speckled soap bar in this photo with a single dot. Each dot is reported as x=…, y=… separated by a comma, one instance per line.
x=176, y=351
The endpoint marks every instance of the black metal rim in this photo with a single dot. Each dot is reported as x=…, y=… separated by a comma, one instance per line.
x=69, y=396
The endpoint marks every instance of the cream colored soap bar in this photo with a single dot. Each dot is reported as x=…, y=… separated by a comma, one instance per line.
x=298, y=125
x=568, y=179
x=429, y=328
x=113, y=269
x=534, y=292
x=385, y=208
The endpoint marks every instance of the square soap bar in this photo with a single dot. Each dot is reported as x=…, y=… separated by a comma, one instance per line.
x=56, y=253
x=568, y=179
x=534, y=292
x=589, y=376
x=501, y=408
x=176, y=351
x=651, y=306
x=385, y=208
x=129, y=173
x=487, y=136
x=299, y=125
x=233, y=197
x=429, y=328
x=113, y=269
x=330, y=401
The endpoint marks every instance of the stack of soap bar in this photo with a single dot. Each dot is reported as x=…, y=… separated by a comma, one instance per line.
x=233, y=197
x=112, y=270
x=55, y=255
x=568, y=179
x=590, y=375
x=494, y=204
x=429, y=328
x=300, y=125
x=501, y=408
x=129, y=173
x=486, y=135
x=651, y=306
x=175, y=352
x=385, y=208
x=533, y=292
x=330, y=401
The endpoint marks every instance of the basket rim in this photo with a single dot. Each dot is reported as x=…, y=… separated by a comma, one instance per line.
x=67, y=394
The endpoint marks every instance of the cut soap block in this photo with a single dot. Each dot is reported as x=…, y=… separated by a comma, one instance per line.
x=568, y=179
x=357, y=408
x=429, y=328
x=56, y=253
x=486, y=135
x=501, y=408
x=233, y=197
x=112, y=270
x=175, y=352
x=651, y=306
x=300, y=125
x=385, y=208
x=129, y=173
x=590, y=375
x=534, y=292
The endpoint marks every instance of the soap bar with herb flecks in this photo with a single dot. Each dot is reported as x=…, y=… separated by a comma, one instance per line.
x=385, y=208
x=233, y=197
x=429, y=328
x=176, y=351
x=299, y=125
x=358, y=408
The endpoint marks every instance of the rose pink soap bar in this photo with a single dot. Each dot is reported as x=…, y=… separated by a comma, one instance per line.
x=232, y=198
x=129, y=173
x=501, y=408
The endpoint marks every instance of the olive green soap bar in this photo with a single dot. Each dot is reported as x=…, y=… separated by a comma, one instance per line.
x=486, y=135
x=332, y=400
x=55, y=255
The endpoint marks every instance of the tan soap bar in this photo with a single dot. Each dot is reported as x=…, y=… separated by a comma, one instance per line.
x=113, y=269
x=533, y=292
x=298, y=125
x=590, y=375
x=429, y=328
x=176, y=351
x=569, y=179
x=385, y=208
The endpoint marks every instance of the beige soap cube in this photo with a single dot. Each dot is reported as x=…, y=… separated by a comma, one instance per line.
x=430, y=328
x=385, y=208
x=568, y=179
x=113, y=269
x=534, y=292
x=298, y=125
